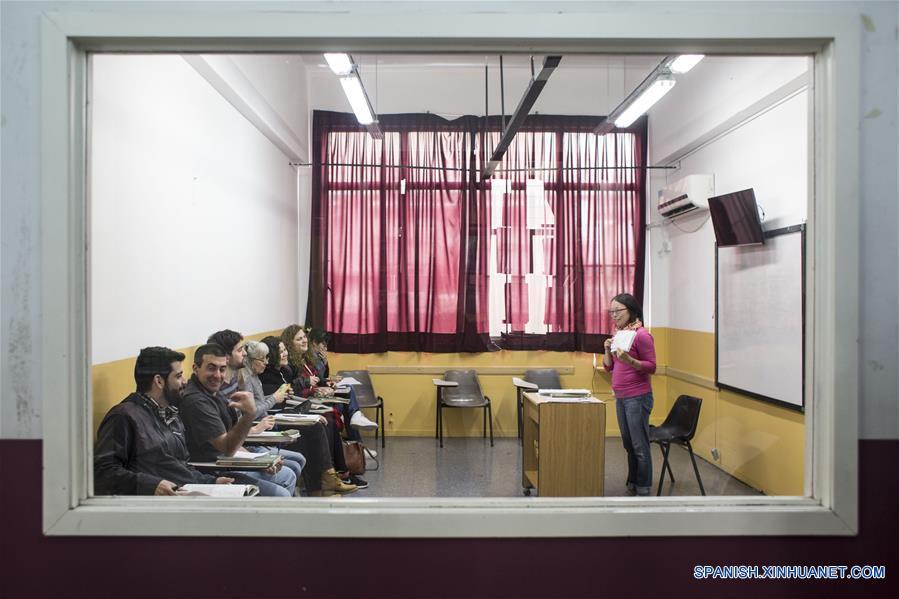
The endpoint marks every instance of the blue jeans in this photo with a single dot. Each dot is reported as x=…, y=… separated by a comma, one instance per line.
x=283, y=482
x=633, y=420
x=292, y=459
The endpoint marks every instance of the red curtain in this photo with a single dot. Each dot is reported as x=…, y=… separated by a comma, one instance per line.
x=402, y=231
x=399, y=254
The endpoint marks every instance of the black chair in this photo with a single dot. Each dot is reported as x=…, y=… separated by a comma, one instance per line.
x=367, y=398
x=542, y=378
x=679, y=427
x=461, y=389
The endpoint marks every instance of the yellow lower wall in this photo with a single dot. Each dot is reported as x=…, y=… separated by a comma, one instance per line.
x=410, y=398
x=758, y=443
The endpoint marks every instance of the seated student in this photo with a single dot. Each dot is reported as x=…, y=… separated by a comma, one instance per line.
x=215, y=428
x=323, y=441
x=247, y=380
x=233, y=343
x=141, y=448
x=317, y=357
x=305, y=382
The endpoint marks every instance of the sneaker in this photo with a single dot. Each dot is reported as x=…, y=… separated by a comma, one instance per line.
x=631, y=490
x=360, y=482
x=359, y=421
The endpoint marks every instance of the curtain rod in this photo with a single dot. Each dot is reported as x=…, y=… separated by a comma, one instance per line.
x=505, y=170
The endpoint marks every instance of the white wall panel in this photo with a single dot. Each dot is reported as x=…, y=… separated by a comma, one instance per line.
x=768, y=153
x=193, y=212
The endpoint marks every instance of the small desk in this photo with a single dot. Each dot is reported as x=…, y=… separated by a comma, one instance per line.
x=564, y=446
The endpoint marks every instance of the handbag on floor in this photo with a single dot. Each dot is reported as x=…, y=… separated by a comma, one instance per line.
x=354, y=456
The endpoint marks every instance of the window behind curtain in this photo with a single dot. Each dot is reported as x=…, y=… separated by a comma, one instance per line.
x=412, y=251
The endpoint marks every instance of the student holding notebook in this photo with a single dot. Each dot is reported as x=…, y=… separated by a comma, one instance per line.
x=631, y=358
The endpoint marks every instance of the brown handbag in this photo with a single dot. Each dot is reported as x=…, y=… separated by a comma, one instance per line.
x=354, y=456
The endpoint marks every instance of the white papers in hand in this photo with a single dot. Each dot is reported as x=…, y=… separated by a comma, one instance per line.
x=348, y=381
x=623, y=340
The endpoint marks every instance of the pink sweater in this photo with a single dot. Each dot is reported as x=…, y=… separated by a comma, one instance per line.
x=628, y=381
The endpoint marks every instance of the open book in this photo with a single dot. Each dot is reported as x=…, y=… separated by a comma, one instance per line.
x=348, y=380
x=246, y=459
x=298, y=419
x=218, y=490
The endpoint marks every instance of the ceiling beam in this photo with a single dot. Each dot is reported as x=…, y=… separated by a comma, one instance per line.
x=521, y=112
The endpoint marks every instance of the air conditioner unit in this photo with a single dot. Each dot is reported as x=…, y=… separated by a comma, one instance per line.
x=686, y=195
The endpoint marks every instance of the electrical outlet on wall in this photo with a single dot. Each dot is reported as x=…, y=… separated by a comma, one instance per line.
x=715, y=455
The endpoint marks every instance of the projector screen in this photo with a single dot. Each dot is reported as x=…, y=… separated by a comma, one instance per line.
x=760, y=318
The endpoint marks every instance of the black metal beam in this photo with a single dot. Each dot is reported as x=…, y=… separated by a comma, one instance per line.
x=521, y=112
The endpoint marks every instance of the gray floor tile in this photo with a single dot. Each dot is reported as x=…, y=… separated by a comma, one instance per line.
x=469, y=467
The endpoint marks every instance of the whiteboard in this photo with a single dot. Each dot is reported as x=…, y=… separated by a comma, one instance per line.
x=759, y=318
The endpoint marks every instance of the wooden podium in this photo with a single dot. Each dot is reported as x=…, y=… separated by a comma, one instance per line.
x=564, y=446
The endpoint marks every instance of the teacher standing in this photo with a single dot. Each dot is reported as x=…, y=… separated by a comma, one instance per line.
x=633, y=391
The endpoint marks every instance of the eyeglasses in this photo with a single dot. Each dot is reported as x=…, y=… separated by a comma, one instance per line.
x=614, y=312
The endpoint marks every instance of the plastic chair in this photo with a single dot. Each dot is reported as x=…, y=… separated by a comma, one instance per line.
x=537, y=378
x=679, y=427
x=367, y=398
x=461, y=389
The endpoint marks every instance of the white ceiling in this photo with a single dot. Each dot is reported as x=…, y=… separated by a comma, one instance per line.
x=468, y=61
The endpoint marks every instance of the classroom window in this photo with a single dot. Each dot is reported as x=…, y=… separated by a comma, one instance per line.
x=417, y=252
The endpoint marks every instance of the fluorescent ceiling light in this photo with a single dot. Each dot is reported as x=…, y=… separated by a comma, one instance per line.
x=355, y=93
x=340, y=63
x=644, y=101
x=685, y=62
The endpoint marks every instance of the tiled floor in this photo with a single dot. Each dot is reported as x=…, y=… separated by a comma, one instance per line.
x=469, y=467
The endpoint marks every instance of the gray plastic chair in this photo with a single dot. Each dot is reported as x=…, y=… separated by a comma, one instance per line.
x=367, y=398
x=544, y=378
x=465, y=394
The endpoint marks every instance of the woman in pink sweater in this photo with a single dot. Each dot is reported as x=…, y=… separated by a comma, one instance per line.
x=633, y=392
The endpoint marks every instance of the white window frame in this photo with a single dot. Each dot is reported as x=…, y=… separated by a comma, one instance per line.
x=831, y=504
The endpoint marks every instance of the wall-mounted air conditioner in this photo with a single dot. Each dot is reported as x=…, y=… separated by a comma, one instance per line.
x=686, y=195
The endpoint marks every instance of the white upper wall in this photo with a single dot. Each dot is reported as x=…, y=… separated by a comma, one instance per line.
x=193, y=212
x=281, y=80
x=713, y=91
x=767, y=150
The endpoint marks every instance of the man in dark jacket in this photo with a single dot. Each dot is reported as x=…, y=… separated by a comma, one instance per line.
x=141, y=448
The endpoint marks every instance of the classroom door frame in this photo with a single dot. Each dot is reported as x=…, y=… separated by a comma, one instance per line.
x=830, y=506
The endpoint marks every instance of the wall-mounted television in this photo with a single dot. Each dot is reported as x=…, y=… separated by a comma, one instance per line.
x=735, y=217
